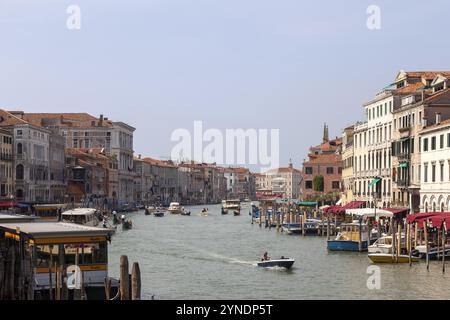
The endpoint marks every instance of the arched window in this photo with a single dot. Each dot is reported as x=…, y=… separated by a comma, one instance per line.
x=19, y=172
x=19, y=148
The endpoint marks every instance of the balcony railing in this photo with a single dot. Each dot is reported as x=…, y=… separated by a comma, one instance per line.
x=404, y=157
x=6, y=157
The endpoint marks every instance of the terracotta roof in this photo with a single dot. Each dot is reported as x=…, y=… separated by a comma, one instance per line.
x=8, y=119
x=437, y=95
x=161, y=163
x=283, y=170
x=426, y=74
x=80, y=119
x=410, y=88
x=330, y=158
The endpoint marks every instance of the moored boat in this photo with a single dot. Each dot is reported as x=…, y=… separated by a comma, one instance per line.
x=352, y=237
x=390, y=258
x=234, y=204
x=237, y=212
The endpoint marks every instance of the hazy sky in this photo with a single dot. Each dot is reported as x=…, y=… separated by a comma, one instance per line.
x=161, y=64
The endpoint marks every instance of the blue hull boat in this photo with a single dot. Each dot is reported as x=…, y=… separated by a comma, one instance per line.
x=345, y=245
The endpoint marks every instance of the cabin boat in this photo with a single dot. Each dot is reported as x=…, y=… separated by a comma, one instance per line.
x=84, y=216
x=391, y=258
x=175, y=208
x=352, y=237
x=46, y=244
x=159, y=214
x=49, y=212
x=149, y=210
x=277, y=263
x=384, y=245
x=231, y=204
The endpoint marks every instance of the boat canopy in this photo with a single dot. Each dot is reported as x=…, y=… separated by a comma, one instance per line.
x=369, y=212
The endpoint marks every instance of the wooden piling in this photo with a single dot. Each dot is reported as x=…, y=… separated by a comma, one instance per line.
x=425, y=231
x=135, y=282
x=444, y=241
x=124, y=279
x=399, y=242
x=108, y=288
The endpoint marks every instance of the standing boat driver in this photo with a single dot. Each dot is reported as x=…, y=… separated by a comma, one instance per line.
x=265, y=257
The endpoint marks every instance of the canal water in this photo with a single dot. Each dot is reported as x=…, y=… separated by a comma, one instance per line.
x=213, y=257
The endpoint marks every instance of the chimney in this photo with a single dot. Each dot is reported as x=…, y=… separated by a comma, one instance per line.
x=438, y=118
x=325, y=133
x=100, y=122
x=139, y=156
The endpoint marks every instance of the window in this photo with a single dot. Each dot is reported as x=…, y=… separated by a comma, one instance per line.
x=19, y=172
x=412, y=145
x=339, y=170
x=19, y=132
x=335, y=184
x=441, y=141
x=425, y=144
x=425, y=172
x=420, y=168
x=330, y=170
x=308, y=184
x=442, y=171
x=308, y=170
x=433, y=143
x=448, y=140
x=433, y=172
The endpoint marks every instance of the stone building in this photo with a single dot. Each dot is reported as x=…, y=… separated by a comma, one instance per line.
x=435, y=167
x=33, y=163
x=240, y=183
x=284, y=181
x=82, y=130
x=165, y=188
x=421, y=97
x=6, y=165
x=347, y=164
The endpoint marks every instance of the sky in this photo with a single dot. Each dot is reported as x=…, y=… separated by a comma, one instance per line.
x=160, y=65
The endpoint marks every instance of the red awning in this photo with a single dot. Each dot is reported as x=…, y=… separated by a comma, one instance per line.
x=7, y=204
x=398, y=211
x=436, y=218
x=341, y=209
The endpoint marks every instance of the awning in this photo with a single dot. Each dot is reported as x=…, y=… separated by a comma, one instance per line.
x=403, y=165
x=374, y=181
x=342, y=209
x=424, y=87
x=7, y=204
x=369, y=212
x=436, y=218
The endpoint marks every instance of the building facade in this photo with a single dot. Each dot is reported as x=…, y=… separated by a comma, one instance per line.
x=6, y=165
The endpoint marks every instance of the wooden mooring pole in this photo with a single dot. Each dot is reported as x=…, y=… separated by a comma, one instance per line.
x=124, y=279
x=135, y=282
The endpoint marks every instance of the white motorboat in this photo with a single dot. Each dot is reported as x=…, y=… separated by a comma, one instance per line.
x=175, y=208
x=84, y=216
x=384, y=245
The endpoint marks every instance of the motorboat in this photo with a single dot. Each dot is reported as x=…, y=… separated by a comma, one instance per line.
x=384, y=245
x=184, y=212
x=204, y=212
x=175, y=208
x=127, y=224
x=84, y=216
x=223, y=211
x=149, y=210
x=391, y=258
x=434, y=253
x=159, y=213
x=291, y=228
x=237, y=212
x=277, y=263
x=234, y=204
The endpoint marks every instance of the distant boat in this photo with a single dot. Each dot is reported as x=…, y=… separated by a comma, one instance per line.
x=390, y=258
x=224, y=211
x=149, y=210
x=159, y=214
x=231, y=204
x=84, y=216
x=185, y=212
x=291, y=228
x=175, y=208
x=280, y=263
x=204, y=212
x=127, y=224
x=348, y=238
x=237, y=212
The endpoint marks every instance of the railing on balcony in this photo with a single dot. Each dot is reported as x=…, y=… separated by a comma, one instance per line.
x=6, y=157
x=402, y=183
x=404, y=157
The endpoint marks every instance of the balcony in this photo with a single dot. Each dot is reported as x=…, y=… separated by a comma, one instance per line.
x=6, y=157
x=402, y=183
x=403, y=157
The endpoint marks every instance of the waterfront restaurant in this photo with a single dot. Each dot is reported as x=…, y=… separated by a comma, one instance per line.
x=44, y=252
